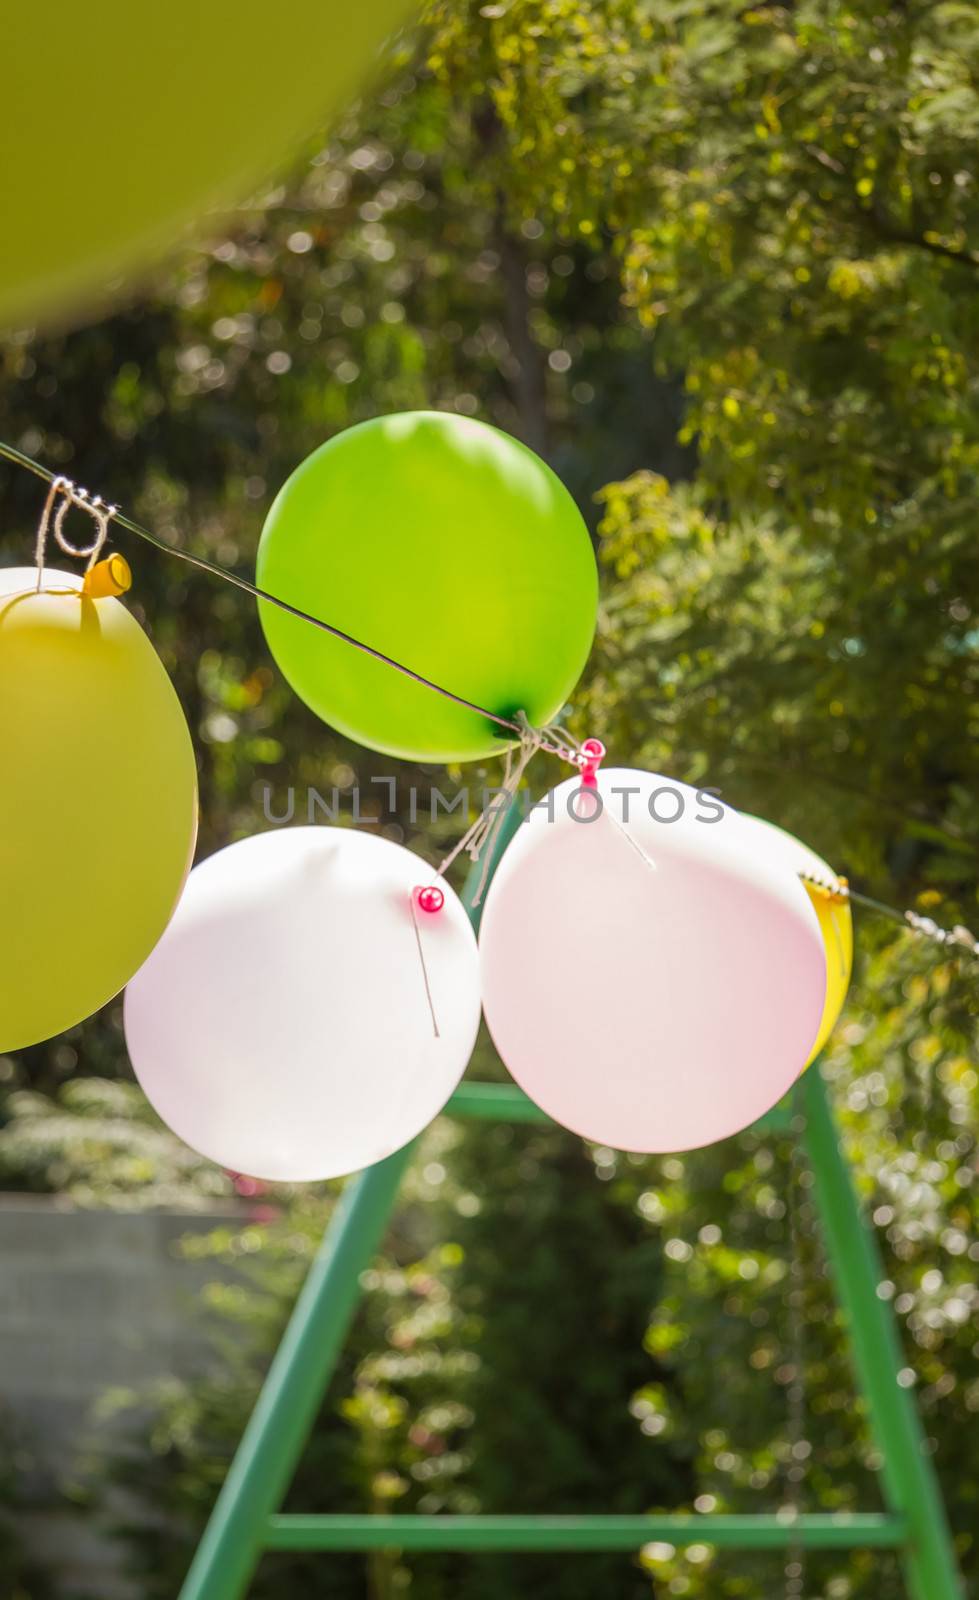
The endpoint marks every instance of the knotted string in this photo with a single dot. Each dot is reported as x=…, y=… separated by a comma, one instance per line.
x=71, y=495
x=481, y=836
x=555, y=740
x=57, y=486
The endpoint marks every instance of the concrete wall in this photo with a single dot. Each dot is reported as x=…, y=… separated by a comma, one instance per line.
x=88, y=1300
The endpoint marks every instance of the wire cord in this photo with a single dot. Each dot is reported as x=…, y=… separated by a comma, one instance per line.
x=552, y=746
x=552, y=739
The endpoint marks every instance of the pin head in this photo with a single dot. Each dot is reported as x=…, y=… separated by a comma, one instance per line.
x=430, y=899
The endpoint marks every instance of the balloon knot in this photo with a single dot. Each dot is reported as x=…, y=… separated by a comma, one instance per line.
x=835, y=889
x=109, y=577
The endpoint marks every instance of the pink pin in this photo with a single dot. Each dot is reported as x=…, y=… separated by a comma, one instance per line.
x=430, y=898
x=593, y=754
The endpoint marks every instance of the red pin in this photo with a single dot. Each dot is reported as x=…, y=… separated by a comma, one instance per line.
x=430, y=899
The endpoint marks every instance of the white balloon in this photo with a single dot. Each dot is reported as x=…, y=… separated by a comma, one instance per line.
x=302, y=1017
x=651, y=976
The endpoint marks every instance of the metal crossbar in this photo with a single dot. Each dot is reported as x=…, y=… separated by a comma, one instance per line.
x=833, y=1531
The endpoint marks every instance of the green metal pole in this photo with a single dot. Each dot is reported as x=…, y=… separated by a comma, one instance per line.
x=494, y=1102
x=301, y=1369
x=910, y=1483
x=504, y=1102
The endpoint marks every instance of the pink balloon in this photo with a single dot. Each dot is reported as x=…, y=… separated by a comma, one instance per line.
x=651, y=978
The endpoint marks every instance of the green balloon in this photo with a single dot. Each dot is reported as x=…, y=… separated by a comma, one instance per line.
x=453, y=549
x=121, y=124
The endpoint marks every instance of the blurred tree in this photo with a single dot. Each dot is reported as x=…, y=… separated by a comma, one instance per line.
x=98, y=1142
x=22, y=1575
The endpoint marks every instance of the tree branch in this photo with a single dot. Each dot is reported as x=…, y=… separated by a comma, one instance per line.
x=884, y=229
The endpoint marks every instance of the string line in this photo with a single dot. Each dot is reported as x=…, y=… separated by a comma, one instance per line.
x=840, y=889
x=79, y=497
x=479, y=839
x=553, y=739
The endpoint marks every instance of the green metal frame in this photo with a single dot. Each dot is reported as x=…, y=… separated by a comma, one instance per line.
x=246, y=1522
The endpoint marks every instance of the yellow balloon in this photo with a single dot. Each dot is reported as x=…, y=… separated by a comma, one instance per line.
x=835, y=922
x=98, y=802
x=124, y=126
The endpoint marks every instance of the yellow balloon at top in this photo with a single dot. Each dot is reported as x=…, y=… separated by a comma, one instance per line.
x=98, y=802
x=835, y=921
x=122, y=124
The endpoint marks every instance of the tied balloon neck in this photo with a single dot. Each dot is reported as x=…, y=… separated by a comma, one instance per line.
x=839, y=892
x=109, y=578
x=836, y=890
x=103, y=577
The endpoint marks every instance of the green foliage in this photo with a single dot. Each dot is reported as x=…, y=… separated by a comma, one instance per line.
x=98, y=1143
x=559, y=1271
x=801, y=684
